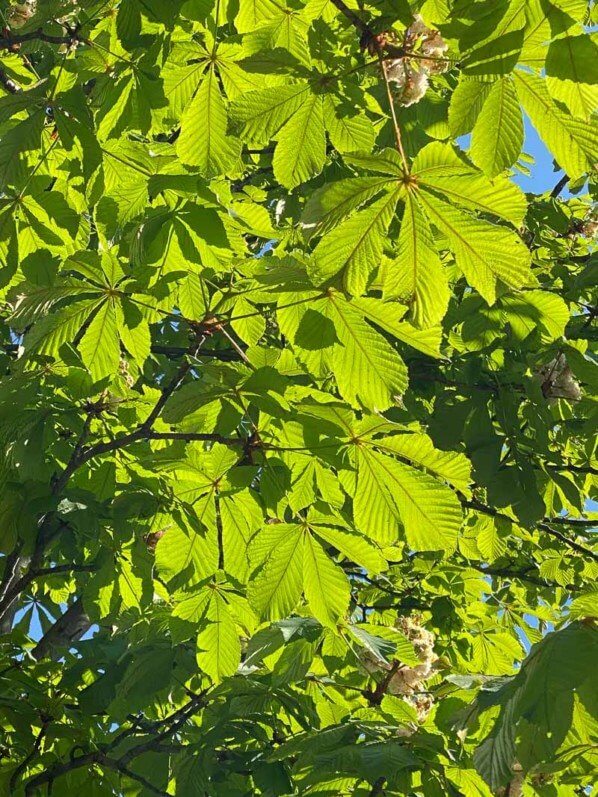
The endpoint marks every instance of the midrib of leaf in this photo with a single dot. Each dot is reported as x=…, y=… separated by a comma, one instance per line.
x=409, y=205
x=125, y=575
x=94, y=313
x=497, y=129
x=272, y=108
x=347, y=326
x=210, y=79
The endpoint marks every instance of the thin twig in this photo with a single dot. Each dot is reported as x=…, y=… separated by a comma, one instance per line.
x=395, y=121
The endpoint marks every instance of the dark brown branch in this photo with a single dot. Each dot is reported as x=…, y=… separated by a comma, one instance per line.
x=14, y=39
x=375, y=697
x=573, y=469
x=117, y=766
x=175, y=721
x=522, y=575
x=378, y=787
x=354, y=19
x=565, y=521
x=143, y=434
x=19, y=586
x=571, y=543
x=559, y=186
x=50, y=774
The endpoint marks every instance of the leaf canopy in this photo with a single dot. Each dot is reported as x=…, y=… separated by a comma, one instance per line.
x=297, y=398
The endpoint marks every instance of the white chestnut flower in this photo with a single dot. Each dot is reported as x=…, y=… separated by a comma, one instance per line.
x=558, y=381
x=414, y=88
x=20, y=13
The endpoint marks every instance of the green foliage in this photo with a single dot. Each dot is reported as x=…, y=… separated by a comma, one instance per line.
x=297, y=399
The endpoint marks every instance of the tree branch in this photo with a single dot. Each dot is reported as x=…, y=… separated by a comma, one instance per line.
x=522, y=575
x=174, y=352
x=14, y=39
x=543, y=526
x=354, y=19
x=175, y=721
x=559, y=186
x=69, y=628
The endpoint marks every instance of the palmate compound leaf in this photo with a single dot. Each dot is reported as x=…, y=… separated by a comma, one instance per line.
x=440, y=180
x=536, y=706
x=291, y=561
x=394, y=499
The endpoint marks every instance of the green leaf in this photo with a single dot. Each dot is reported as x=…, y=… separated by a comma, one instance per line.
x=387, y=315
x=571, y=141
x=348, y=132
x=265, y=112
x=367, y=369
x=203, y=141
x=301, y=149
x=466, y=103
x=417, y=275
x=99, y=347
x=392, y=497
x=572, y=73
x=353, y=546
x=497, y=137
x=327, y=589
x=218, y=645
x=485, y=253
x=438, y=167
x=276, y=587
x=450, y=466
x=329, y=205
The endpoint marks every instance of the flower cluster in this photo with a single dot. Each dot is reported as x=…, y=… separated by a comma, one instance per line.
x=20, y=13
x=409, y=682
x=558, y=380
x=425, y=50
